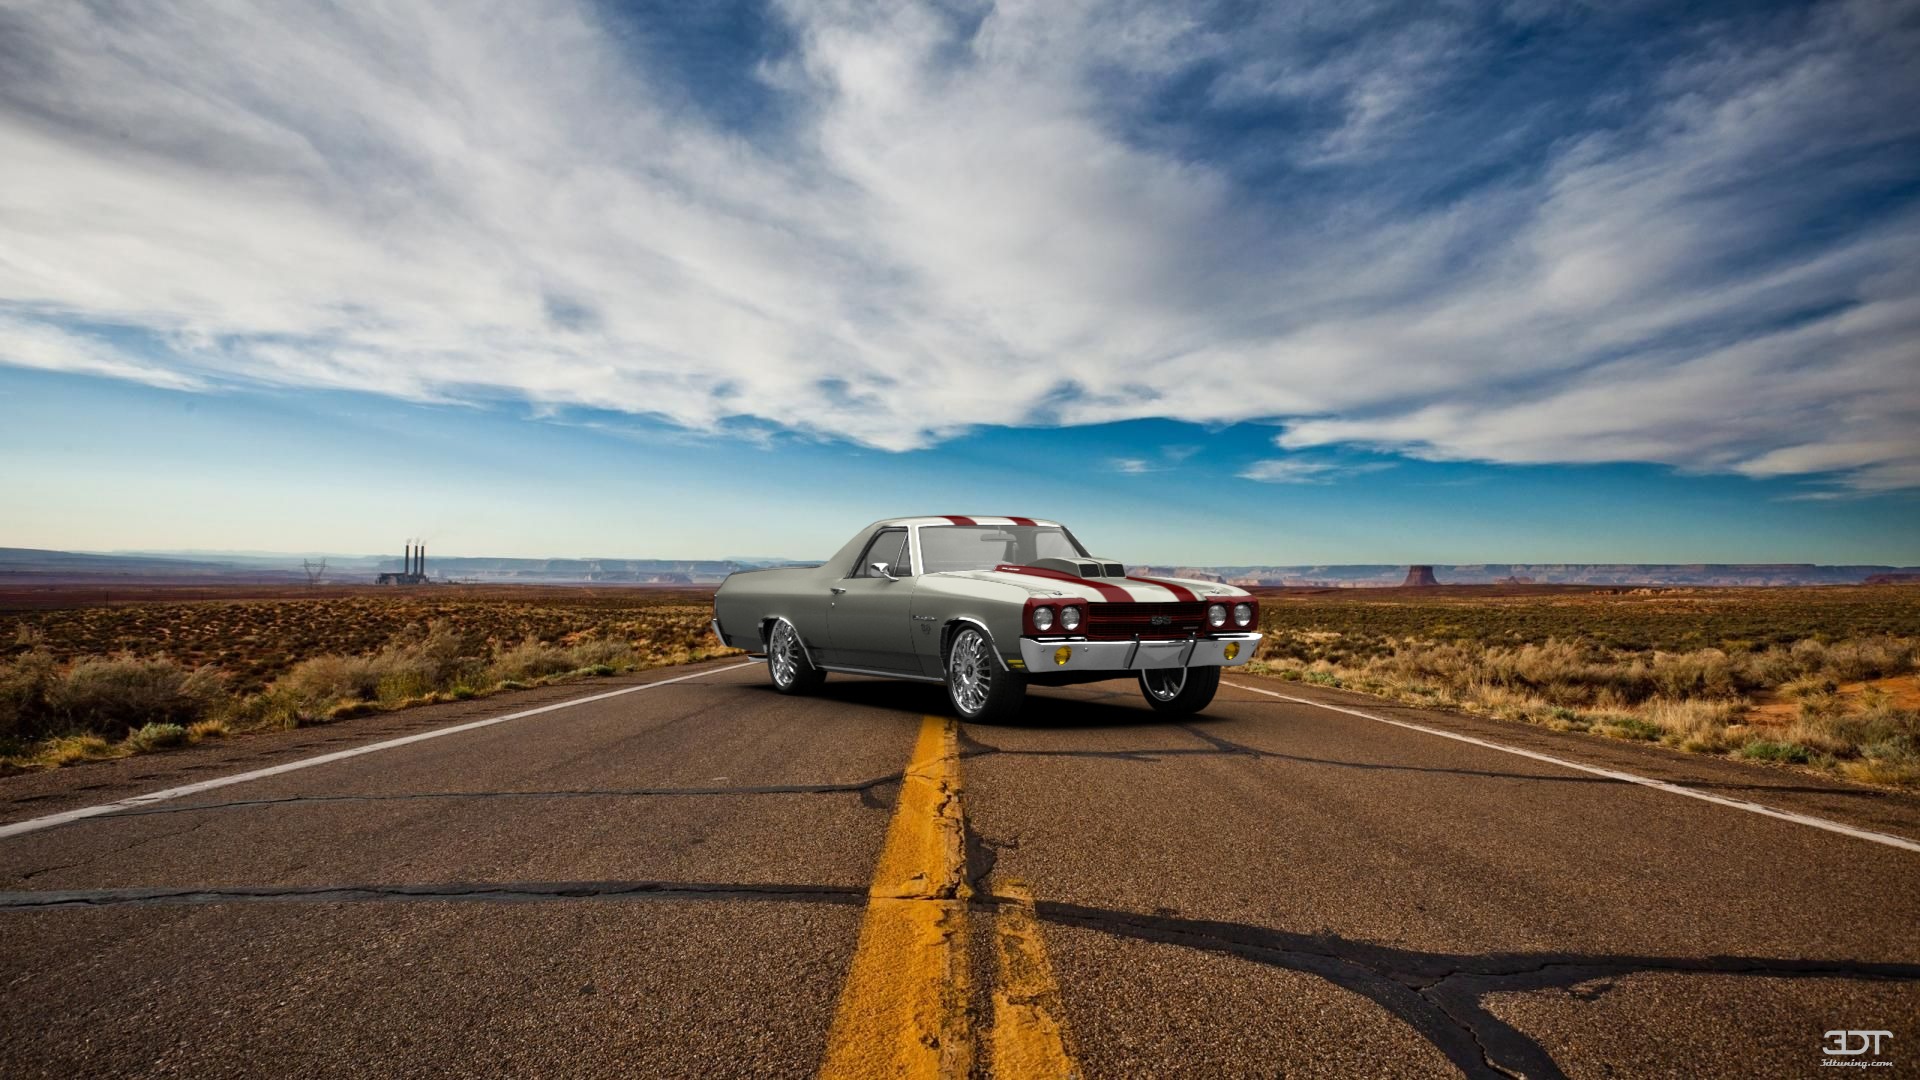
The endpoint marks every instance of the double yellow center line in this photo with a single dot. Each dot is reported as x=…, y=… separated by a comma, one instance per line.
x=906, y=1008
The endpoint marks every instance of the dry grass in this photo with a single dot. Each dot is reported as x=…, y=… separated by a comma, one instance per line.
x=1841, y=704
x=69, y=749
x=58, y=707
x=156, y=737
x=255, y=641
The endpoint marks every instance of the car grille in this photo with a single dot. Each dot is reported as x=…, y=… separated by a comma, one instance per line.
x=1128, y=619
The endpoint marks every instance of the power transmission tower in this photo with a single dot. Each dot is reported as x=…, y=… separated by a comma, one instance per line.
x=315, y=571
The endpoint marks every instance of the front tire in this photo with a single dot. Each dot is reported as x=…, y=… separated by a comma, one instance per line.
x=979, y=687
x=787, y=662
x=1181, y=691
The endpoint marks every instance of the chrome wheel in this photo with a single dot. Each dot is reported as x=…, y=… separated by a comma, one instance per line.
x=1180, y=691
x=970, y=672
x=783, y=655
x=1164, y=684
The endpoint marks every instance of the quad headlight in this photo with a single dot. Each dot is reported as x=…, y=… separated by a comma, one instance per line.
x=1043, y=619
x=1217, y=614
x=1242, y=614
x=1070, y=617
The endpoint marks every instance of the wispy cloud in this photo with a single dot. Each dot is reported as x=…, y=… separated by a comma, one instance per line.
x=32, y=343
x=918, y=221
x=1169, y=457
x=1307, y=471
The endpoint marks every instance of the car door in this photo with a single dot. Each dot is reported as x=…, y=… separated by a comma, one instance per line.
x=869, y=618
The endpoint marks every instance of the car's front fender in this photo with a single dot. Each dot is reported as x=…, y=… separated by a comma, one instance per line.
x=953, y=628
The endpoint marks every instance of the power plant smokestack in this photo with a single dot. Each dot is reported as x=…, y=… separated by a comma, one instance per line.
x=413, y=566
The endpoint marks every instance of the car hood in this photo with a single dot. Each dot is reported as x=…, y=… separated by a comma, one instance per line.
x=1124, y=590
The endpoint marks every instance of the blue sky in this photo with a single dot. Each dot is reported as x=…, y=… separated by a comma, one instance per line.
x=337, y=471
x=1216, y=283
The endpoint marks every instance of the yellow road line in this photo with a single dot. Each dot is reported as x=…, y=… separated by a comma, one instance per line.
x=903, y=1010
x=1029, y=1026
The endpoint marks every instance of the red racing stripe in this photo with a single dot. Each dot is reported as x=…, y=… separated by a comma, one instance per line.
x=1021, y=521
x=1106, y=591
x=1180, y=592
x=958, y=520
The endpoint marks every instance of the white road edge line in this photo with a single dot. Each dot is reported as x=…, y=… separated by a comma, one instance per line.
x=1612, y=774
x=48, y=822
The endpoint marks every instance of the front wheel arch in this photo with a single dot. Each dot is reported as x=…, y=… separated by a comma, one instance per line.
x=952, y=630
x=994, y=698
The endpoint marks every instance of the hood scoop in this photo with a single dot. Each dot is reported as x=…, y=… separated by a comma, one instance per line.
x=1082, y=568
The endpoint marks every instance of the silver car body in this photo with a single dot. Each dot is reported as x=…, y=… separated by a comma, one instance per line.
x=850, y=618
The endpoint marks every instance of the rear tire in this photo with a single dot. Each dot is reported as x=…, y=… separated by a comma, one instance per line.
x=1181, y=691
x=787, y=662
x=978, y=685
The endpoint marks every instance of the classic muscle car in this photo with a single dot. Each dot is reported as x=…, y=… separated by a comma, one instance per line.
x=988, y=606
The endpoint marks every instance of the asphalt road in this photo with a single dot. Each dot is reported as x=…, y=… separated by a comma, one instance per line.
x=705, y=878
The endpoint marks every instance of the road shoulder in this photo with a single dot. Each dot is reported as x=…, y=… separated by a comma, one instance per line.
x=38, y=794
x=1780, y=787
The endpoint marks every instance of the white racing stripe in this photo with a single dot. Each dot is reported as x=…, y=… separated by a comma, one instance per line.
x=1132, y=589
x=1612, y=774
x=48, y=822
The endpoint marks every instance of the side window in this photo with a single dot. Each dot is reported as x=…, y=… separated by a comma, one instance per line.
x=888, y=547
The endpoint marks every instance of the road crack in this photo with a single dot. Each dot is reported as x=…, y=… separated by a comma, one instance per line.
x=490, y=892
x=864, y=788
x=1438, y=994
x=122, y=849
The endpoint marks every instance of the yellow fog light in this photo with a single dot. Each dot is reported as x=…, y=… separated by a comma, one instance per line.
x=1062, y=654
x=1233, y=649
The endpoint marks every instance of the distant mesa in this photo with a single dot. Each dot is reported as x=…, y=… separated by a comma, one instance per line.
x=1892, y=579
x=1419, y=576
x=1189, y=573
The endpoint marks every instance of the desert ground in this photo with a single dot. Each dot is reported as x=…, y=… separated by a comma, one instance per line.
x=1816, y=678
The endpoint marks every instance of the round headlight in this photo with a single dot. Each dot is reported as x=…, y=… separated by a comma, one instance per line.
x=1217, y=614
x=1242, y=614
x=1070, y=618
x=1043, y=618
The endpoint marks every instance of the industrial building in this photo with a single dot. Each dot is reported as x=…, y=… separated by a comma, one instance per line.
x=415, y=572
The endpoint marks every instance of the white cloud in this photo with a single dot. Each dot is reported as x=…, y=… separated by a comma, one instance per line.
x=963, y=225
x=1295, y=470
x=24, y=343
x=1169, y=457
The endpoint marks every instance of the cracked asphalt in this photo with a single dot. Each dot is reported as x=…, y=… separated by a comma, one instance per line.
x=672, y=883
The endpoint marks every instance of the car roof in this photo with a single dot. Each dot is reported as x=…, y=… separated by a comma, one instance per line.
x=963, y=519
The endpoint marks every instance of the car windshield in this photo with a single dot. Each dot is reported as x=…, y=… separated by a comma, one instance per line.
x=982, y=547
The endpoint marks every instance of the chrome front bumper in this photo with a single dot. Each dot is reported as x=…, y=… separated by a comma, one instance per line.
x=1042, y=656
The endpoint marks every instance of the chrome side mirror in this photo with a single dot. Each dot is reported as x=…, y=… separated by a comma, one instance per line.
x=885, y=570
